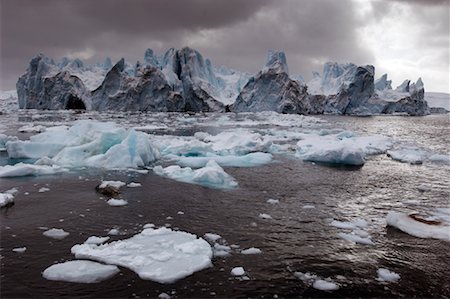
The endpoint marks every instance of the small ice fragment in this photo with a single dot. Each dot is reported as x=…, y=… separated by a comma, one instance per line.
x=251, y=250
x=273, y=201
x=212, y=237
x=134, y=185
x=96, y=240
x=113, y=232
x=114, y=184
x=80, y=271
x=386, y=275
x=19, y=249
x=324, y=285
x=355, y=238
x=308, y=207
x=44, y=189
x=148, y=225
x=164, y=296
x=264, y=216
x=180, y=213
x=237, y=271
x=56, y=233
x=117, y=202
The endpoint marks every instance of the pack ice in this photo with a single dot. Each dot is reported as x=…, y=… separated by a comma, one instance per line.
x=86, y=143
x=160, y=255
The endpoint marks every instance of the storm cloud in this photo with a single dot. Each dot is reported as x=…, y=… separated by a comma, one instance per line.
x=412, y=34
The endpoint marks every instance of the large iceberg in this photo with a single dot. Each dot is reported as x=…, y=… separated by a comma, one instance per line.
x=182, y=80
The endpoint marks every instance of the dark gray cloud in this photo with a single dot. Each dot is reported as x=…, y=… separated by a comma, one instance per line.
x=235, y=33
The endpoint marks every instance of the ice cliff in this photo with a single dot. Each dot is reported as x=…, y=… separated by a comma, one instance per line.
x=182, y=80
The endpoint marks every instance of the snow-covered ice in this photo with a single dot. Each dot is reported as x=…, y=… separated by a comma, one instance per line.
x=387, y=275
x=212, y=175
x=114, y=202
x=237, y=271
x=420, y=229
x=161, y=255
x=80, y=271
x=6, y=198
x=56, y=233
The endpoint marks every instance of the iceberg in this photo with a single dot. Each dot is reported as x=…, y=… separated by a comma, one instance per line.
x=161, y=255
x=211, y=175
x=86, y=143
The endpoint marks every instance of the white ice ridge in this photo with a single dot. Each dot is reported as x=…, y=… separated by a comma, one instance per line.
x=160, y=255
x=80, y=272
x=212, y=175
x=341, y=148
x=421, y=228
x=87, y=143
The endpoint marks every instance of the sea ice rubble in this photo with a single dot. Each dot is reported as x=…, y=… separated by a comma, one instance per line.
x=212, y=175
x=114, y=202
x=418, y=228
x=385, y=275
x=161, y=254
x=80, y=271
x=56, y=233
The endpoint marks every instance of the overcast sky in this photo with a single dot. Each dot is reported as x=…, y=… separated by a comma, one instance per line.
x=404, y=38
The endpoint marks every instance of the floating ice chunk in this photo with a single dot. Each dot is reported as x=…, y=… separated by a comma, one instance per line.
x=418, y=227
x=212, y=237
x=43, y=189
x=386, y=275
x=251, y=250
x=31, y=128
x=221, y=250
x=164, y=296
x=342, y=148
x=273, y=201
x=113, y=232
x=134, y=185
x=353, y=237
x=305, y=277
x=410, y=155
x=438, y=158
x=212, y=175
x=113, y=184
x=357, y=223
x=80, y=271
x=56, y=233
x=19, y=249
x=264, y=216
x=248, y=160
x=308, y=207
x=324, y=285
x=148, y=225
x=96, y=240
x=161, y=255
x=117, y=202
x=237, y=142
x=4, y=139
x=6, y=199
x=22, y=169
x=237, y=271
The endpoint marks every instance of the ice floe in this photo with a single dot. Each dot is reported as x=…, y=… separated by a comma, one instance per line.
x=273, y=201
x=341, y=148
x=212, y=237
x=43, y=189
x=212, y=175
x=417, y=226
x=56, y=233
x=22, y=169
x=386, y=275
x=134, y=185
x=161, y=255
x=19, y=249
x=264, y=216
x=324, y=285
x=113, y=184
x=80, y=271
x=410, y=155
x=251, y=250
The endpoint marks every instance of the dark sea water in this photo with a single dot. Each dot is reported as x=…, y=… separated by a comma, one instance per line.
x=296, y=239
